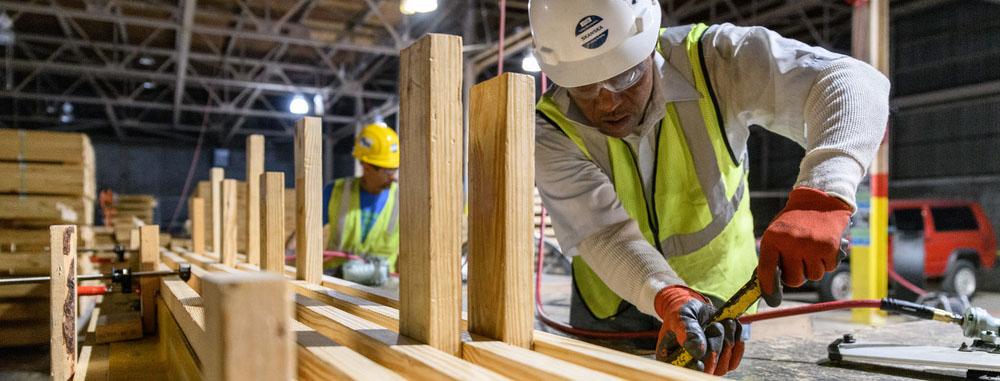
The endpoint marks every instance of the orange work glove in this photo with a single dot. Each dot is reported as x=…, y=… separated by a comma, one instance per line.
x=718, y=348
x=802, y=242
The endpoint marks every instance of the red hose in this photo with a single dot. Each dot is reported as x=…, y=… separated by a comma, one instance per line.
x=810, y=308
x=905, y=283
x=503, y=32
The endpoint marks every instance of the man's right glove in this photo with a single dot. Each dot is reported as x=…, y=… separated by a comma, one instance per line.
x=718, y=348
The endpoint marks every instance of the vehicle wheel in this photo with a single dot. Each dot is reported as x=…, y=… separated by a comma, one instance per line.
x=836, y=285
x=961, y=279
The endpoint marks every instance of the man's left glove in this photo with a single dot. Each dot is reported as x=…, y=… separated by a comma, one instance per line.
x=717, y=349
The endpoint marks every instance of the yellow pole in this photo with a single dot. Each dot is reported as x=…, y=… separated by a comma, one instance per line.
x=870, y=246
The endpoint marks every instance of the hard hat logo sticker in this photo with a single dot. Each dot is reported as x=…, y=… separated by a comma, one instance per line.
x=591, y=31
x=365, y=142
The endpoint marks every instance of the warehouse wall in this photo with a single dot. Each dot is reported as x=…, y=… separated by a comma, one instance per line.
x=947, y=150
x=160, y=169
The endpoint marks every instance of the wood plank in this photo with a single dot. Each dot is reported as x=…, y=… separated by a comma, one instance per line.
x=43, y=209
x=523, y=364
x=62, y=320
x=46, y=179
x=25, y=264
x=272, y=229
x=320, y=358
x=610, y=361
x=186, y=307
x=255, y=168
x=501, y=187
x=118, y=327
x=215, y=186
x=197, y=209
x=229, y=222
x=401, y=354
x=23, y=310
x=37, y=290
x=181, y=363
x=45, y=146
x=248, y=343
x=309, y=197
x=149, y=258
x=18, y=334
x=430, y=190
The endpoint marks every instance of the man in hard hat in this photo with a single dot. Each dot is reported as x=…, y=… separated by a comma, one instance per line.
x=362, y=214
x=641, y=158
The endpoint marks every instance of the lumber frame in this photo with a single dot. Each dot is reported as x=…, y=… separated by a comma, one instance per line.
x=272, y=228
x=149, y=260
x=230, y=227
x=309, y=199
x=197, y=211
x=255, y=167
x=248, y=343
x=501, y=199
x=215, y=180
x=62, y=322
x=431, y=190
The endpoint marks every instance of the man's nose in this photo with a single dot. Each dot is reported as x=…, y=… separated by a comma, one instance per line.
x=608, y=101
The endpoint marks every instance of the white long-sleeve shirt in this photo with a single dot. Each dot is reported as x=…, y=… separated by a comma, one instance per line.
x=834, y=106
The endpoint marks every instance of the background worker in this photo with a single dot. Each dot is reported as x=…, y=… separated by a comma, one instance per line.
x=641, y=158
x=361, y=215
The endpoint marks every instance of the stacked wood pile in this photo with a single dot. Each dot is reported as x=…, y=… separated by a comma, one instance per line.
x=204, y=192
x=45, y=178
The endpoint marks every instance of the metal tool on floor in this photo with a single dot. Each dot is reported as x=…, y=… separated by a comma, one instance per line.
x=980, y=359
x=124, y=278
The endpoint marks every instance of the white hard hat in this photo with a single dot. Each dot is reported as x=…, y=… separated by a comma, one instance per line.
x=583, y=42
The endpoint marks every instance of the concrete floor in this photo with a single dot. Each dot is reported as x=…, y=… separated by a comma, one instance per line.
x=794, y=347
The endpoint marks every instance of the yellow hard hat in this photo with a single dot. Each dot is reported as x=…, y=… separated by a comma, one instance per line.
x=378, y=145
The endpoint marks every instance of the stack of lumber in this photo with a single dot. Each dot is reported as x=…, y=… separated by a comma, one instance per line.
x=550, y=233
x=204, y=191
x=45, y=178
x=139, y=206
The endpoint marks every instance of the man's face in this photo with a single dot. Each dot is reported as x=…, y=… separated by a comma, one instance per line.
x=616, y=114
x=381, y=177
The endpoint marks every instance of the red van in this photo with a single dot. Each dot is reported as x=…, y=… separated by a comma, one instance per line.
x=958, y=240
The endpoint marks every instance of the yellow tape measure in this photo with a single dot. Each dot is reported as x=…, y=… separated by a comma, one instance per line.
x=734, y=308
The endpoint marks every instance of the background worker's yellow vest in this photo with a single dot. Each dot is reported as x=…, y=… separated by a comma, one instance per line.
x=344, y=210
x=700, y=215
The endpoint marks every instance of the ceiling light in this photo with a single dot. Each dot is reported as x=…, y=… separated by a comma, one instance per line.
x=530, y=64
x=148, y=85
x=66, y=118
x=67, y=108
x=409, y=7
x=146, y=61
x=318, y=107
x=298, y=105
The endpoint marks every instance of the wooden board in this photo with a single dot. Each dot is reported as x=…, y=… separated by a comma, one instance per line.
x=501, y=184
x=610, y=361
x=204, y=192
x=24, y=264
x=36, y=239
x=215, y=181
x=45, y=146
x=149, y=259
x=403, y=355
x=430, y=190
x=272, y=227
x=229, y=224
x=255, y=168
x=320, y=358
x=308, y=194
x=248, y=343
x=46, y=209
x=523, y=364
x=118, y=327
x=47, y=179
x=23, y=310
x=62, y=321
x=181, y=363
x=197, y=211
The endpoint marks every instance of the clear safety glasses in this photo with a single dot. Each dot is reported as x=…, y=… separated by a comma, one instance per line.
x=616, y=84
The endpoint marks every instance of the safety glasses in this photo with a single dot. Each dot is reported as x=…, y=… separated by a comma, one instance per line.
x=616, y=84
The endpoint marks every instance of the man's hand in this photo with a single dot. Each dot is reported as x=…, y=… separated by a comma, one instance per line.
x=718, y=348
x=802, y=242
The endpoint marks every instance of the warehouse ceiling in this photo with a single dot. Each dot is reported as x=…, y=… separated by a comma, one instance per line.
x=174, y=69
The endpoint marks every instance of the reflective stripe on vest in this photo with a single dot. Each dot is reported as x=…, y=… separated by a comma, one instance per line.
x=700, y=217
x=345, y=224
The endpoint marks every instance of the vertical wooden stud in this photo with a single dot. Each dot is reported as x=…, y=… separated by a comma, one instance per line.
x=255, y=167
x=134, y=243
x=229, y=224
x=501, y=199
x=308, y=198
x=272, y=228
x=216, y=177
x=196, y=210
x=248, y=323
x=431, y=191
x=62, y=341
x=149, y=257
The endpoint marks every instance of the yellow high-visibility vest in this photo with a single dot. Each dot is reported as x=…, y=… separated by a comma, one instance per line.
x=344, y=210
